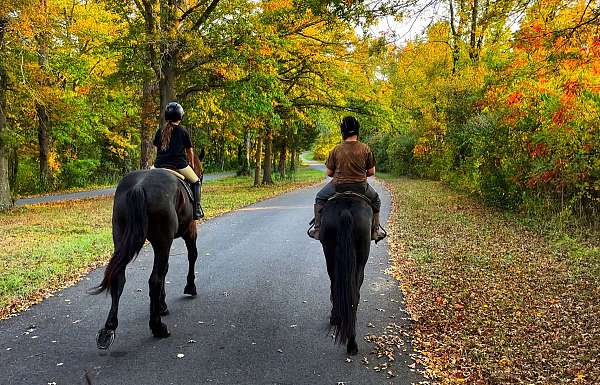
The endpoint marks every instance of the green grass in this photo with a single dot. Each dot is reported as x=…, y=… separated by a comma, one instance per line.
x=44, y=247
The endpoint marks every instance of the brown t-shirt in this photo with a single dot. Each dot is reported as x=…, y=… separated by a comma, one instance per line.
x=350, y=162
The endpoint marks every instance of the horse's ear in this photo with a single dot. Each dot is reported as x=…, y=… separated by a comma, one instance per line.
x=202, y=154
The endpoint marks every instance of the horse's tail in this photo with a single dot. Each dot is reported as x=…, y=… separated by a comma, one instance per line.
x=132, y=237
x=345, y=277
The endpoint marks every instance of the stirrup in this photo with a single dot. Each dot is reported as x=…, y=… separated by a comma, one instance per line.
x=312, y=225
x=385, y=234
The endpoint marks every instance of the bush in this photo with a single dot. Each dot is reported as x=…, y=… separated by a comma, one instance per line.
x=79, y=173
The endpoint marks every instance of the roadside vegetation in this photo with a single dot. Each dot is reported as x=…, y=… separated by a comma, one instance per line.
x=46, y=247
x=496, y=298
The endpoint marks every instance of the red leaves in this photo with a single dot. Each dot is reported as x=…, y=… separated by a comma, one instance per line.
x=571, y=87
x=537, y=150
x=514, y=98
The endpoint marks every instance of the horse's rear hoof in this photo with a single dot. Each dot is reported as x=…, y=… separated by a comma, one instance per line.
x=160, y=331
x=190, y=290
x=105, y=338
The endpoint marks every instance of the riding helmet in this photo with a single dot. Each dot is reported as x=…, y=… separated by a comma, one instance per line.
x=173, y=112
x=349, y=126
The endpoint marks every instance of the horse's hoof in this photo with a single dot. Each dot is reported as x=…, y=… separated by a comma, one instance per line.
x=105, y=338
x=352, y=348
x=160, y=331
x=164, y=311
x=190, y=290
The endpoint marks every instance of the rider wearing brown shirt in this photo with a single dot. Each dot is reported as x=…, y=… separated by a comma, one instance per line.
x=349, y=164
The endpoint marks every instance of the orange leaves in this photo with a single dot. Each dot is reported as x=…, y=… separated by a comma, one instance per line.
x=420, y=149
x=514, y=98
x=571, y=87
x=560, y=117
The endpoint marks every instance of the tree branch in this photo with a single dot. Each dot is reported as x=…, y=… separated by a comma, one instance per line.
x=202, y=19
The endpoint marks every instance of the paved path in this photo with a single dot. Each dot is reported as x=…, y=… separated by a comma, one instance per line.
x=260, y=316
x=96, y=193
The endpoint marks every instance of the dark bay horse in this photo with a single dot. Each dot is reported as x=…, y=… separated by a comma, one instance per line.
x=346, y=240
x=154, y=205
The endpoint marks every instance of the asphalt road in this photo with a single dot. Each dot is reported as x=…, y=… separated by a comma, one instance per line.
x=260, y=316
x=95, y=193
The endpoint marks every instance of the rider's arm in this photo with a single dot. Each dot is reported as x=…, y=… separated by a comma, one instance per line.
x=371, y=171
x=190, y=155
x=330, y=172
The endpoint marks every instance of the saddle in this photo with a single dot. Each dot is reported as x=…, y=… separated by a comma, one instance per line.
x=349, y=194
x=181, y=178
x=340, y=195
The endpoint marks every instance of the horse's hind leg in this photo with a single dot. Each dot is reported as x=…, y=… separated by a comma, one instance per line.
x=156, y=284
x=190, y=243
x=106, y=336
x=164, y=309
x=329, y=251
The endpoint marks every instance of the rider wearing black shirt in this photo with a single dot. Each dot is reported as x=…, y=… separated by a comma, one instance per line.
x=174, y=150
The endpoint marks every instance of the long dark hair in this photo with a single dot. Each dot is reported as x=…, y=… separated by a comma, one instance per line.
x=165, y=135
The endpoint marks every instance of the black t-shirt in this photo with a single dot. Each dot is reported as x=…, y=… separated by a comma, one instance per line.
x=174, y=155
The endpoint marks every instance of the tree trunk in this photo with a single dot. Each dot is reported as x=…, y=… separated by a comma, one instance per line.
x=13, y=167
x=473, y=53
x=257, y=159
x=5, y=198
x=44, y=148
x=293, y=159
x=248, y=147
x=168, y=55
x=148, y=126
x=267, y=174
x=282, y=159
x=222, y=147
x=455, y=39
x=42, y=112
x=167, y=82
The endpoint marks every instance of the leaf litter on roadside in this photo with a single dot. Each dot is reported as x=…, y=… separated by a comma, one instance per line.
x=493, y=302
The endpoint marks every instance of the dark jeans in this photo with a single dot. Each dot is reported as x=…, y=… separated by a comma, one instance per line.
x=326, y=192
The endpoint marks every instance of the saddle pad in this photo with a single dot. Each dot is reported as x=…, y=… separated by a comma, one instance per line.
x=178, y=175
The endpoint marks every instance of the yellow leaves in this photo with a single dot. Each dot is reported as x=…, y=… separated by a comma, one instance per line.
x=265, y=50
x=276, y=5
x=53, y=162
x=118, y=144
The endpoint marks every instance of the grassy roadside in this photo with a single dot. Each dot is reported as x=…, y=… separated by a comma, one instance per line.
x=494, y=301
x=46, y=247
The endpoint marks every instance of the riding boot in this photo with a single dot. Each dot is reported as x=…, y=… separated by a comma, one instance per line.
x=314, y=232
x=377, y=232
x=198, y=213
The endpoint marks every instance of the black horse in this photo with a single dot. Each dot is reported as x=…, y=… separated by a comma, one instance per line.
x=346, y=240
x=154, y=205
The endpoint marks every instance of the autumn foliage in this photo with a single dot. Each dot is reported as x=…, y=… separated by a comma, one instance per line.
x=517, y=123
